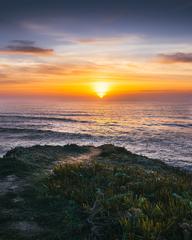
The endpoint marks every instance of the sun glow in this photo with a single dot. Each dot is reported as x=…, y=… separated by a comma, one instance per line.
x=101, y=88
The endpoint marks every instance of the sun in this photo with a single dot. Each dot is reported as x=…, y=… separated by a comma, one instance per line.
x=101, y=88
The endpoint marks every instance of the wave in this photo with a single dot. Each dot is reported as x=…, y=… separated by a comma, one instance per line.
x=68, y=114
x=37, y=133
x=45, y=118
x=170, y=117
x=181, y=125
x=186, y=125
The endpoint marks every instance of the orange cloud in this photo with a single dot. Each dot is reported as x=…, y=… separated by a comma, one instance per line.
x=65, y=69
x=109, y=40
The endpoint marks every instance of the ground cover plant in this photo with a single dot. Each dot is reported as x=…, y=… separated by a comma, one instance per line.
x=92, y=193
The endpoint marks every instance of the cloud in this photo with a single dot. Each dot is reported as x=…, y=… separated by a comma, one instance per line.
x=4, y=80
x=11, y=82
x=25, y=47
x=63, y=68
x=2, y=75
x=110, y=40
x=41, y=71
x=175, y=58
x=23, y=42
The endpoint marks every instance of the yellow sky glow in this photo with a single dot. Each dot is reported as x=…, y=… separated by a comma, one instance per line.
x=27, y=77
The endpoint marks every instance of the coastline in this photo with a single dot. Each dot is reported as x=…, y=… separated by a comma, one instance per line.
x=80, y=192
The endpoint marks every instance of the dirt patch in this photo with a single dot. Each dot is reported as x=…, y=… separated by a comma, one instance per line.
x=94, y=152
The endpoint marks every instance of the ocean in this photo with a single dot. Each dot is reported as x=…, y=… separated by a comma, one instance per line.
x=157, y=130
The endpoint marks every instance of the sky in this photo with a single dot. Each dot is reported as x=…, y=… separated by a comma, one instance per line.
x=62, y=48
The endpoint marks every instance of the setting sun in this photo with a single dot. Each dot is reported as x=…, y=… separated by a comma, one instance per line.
x=101, y=88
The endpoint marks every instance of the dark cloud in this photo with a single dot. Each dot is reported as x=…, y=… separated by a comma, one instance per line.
x=23, y=42
x=25, y=47
x=175, y=58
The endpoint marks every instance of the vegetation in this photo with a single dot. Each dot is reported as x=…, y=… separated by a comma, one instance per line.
x=115, y=195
